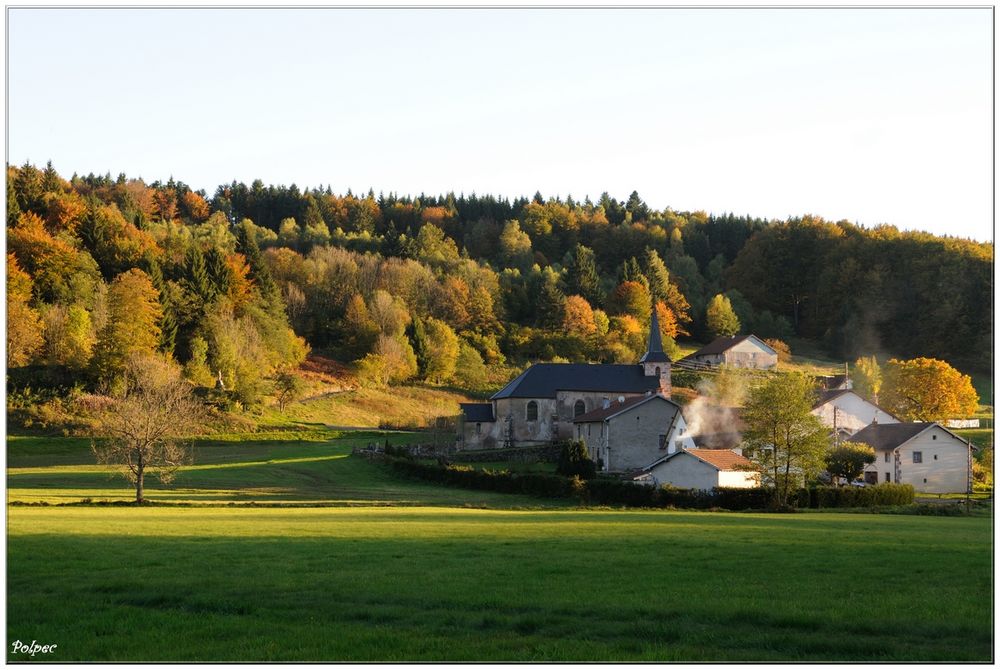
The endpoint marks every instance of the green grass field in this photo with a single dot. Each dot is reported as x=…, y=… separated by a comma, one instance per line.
x=391, y=569
x=283, y=467
x=185, y=584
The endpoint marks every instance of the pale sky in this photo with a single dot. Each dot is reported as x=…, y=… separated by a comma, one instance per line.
x=871, y=115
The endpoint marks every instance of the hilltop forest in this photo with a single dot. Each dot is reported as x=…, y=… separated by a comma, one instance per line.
x=240, y=284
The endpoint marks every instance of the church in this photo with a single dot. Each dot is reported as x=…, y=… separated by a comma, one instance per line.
x=541, y=404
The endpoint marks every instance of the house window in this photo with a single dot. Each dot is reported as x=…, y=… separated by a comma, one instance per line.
x=887, y=457
x=579, y=408
x=933, y=437
x=935, y=457
x=657, y=370
x=888, y=478
x=479, y=429
x=918, y=457
x=532, y=411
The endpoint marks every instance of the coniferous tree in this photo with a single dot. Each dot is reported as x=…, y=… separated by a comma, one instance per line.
x=582, y=277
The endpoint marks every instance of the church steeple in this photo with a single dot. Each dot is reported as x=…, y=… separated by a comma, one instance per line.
x=654, y=350
x=655, y=362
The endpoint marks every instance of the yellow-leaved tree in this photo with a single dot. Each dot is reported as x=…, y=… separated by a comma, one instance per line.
x=927, y=389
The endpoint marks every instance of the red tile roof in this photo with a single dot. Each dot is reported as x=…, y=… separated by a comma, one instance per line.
x=724, y=459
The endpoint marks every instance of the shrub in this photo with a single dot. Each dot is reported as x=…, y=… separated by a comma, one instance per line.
x=574, y=461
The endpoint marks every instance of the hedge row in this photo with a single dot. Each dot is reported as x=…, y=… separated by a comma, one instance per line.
x=606, y=491
x=856, y=496
x=464, y=476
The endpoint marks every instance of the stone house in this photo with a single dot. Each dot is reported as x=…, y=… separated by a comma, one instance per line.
x=540, y=404
x=743, y=351
x=629, y=434
x=703, y=469
x=845, y=412
x=927, y=455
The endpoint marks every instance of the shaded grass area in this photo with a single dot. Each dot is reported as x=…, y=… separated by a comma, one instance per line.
x=313, y=467
x=396, y=584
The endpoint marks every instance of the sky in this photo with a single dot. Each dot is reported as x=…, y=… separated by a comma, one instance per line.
x=871, y=115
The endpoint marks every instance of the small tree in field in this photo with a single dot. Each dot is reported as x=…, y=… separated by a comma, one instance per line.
x=153, y=409
x=287, y=387
x=575, y=461
x=849, y=460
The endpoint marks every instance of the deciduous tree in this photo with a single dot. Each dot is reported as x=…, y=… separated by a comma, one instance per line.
x=848, y=460
x=927, y=389
x=153, y=409
x=783, y=437
x=720, y=317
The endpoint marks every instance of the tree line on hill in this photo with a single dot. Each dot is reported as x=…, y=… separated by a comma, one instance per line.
x=238, y=285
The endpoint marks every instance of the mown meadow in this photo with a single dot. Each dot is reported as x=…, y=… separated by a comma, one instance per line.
x=379, y=568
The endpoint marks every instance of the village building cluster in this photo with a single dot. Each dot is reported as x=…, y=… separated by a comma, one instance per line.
x=626, y=418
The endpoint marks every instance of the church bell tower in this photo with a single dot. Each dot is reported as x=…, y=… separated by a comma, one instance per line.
x=656, y=363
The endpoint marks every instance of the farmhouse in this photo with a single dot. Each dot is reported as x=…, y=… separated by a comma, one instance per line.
x=845, y=412
x=703, y=469
x=744, y=351
x=540, y=404
x=630, y=434
x=927, y=455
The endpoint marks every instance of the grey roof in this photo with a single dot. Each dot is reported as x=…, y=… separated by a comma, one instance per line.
x=830, y=382
x=481, y=412
x=654, y=350
x=543, y=380
x=886, y=436
x=721, y=344
x=614, y=408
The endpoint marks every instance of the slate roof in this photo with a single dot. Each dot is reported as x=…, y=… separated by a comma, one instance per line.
x=654, y=350
x=887, y=436
x=718, y=440
x=543, y=380
x=723, y=343
x=480, y=412
x=830, y=382
x=616, y=407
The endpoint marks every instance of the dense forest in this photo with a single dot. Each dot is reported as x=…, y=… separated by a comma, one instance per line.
x=239, y=284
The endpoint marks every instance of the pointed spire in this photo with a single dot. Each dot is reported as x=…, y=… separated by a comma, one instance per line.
x=655, y=342
x=654, y=350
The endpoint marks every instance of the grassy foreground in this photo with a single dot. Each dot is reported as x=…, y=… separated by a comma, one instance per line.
x=228, y=584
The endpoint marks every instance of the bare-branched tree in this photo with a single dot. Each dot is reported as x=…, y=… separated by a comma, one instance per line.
x=143, y=430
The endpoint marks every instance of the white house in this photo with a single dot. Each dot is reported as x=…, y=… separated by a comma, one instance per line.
x=927, y=455
x=744, y=351
x=846, y=412
x=630, y=433
x=703, y=469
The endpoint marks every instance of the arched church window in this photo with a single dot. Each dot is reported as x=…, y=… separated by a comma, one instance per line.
x=657, y=370
x=579, y=408
x=532, y=411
